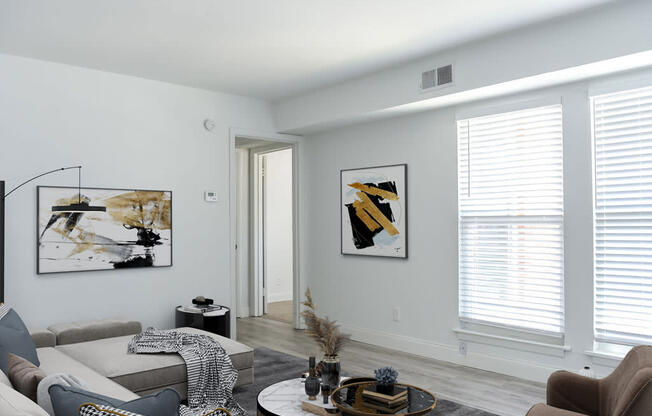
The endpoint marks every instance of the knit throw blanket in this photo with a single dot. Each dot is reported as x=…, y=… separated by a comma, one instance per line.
x=211, y=376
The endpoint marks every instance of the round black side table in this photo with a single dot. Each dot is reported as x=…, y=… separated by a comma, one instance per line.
x=217, y=321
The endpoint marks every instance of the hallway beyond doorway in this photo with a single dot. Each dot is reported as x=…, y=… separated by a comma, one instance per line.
x=280, y=311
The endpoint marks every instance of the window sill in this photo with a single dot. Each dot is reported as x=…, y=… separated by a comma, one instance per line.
x=511, y=342
x=605, y=356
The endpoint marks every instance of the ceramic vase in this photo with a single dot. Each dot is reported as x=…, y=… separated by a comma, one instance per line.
x=330, y=371
x=312, y=384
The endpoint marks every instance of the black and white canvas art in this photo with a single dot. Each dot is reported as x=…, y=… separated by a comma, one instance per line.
x=374, y=211
x=102, y=229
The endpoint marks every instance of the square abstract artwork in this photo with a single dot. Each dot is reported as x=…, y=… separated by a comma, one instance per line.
x=102, y=229
x=374, y=211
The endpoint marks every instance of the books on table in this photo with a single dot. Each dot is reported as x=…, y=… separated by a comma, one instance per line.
x=390, y=402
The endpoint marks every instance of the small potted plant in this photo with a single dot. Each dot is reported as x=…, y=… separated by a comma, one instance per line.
x=385, y=379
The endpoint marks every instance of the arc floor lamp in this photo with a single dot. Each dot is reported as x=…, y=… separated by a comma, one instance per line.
x=80, y=206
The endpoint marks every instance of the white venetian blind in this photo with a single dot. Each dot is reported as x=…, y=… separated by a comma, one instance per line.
x=622, y=134
x=510, y=189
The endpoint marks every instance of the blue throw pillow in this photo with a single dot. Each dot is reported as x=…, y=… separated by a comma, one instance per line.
x=66, y=401
x=4, y=358
x=15, y=338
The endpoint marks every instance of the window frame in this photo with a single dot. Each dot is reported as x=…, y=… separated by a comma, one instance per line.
x=603, y=344
x=499, y=329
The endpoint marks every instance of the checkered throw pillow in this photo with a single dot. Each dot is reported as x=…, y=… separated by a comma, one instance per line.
x=90, y=409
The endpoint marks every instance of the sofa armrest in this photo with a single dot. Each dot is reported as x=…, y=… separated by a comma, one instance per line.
x=573, y=392
x=545, y=410
x=43, y=338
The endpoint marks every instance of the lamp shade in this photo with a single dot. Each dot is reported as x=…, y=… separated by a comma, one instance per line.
x=79, y=207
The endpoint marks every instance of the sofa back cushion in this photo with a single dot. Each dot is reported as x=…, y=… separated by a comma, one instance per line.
x=74, y=332
x=43, y=338
x=15, y=404
x=4, y=363
x=14, y=336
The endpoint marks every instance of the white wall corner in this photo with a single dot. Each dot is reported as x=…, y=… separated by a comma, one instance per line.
x=243, y=312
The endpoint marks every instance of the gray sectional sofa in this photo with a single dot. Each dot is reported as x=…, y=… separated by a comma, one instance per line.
x=96, y=352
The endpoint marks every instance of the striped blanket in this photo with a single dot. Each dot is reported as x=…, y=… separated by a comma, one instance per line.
x=211, y=376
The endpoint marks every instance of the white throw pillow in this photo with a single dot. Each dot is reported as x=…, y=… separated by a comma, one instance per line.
x=15, y=404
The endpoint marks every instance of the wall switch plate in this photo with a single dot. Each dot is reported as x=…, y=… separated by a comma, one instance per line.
x=210, y=196
x=462, y=348
x=396, y=314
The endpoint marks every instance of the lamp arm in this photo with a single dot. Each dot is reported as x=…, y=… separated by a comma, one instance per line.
x=42, y=174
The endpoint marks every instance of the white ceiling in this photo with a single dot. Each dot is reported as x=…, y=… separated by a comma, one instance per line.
x=264, y=48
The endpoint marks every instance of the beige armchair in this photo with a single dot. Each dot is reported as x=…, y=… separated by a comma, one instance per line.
x=627, y=391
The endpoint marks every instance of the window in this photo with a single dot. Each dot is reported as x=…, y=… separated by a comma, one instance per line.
x=622, y=138
x=510, y=188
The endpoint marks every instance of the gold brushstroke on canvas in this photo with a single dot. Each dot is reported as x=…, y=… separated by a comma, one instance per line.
x=364, y=217
x=81, y=240
x=372, y=190
x=141, y=209
x=376, y=214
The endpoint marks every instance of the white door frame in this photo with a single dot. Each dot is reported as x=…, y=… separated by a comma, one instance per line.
x=284, y=141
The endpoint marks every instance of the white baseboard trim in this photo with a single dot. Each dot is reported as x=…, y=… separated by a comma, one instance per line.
x=424, y=348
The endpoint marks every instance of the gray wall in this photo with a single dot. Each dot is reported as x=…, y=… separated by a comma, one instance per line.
x=360, y=292
x=128, y=133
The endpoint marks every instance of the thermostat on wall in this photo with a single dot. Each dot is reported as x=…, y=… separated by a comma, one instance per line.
x=210, y=196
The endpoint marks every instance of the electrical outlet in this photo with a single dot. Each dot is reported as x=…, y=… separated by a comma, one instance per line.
x=396, y=314
x=462, y=348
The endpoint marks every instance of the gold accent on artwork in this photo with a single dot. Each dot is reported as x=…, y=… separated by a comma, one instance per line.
x=364, y=217
x=141, y=209
x=372, y=190
x=376, y=214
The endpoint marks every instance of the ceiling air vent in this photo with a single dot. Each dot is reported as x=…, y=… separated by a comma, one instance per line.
x=437, y=77
x=428, y=79
x=444, y=75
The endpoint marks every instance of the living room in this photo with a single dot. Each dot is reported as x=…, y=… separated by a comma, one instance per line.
x=470, y=192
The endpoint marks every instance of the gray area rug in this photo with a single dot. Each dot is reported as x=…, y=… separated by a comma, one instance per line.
x=272, y=366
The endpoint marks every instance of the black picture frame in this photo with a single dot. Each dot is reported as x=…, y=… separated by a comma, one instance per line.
x=405, y=209
x=38, y=202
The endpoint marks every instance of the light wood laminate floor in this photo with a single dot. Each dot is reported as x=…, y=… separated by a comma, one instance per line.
x=496, y=393
x=280, y=311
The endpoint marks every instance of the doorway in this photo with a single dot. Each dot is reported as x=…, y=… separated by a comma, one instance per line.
x=266, y=229
x=275, y=207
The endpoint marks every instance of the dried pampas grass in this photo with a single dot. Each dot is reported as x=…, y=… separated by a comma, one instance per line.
x=324, y=331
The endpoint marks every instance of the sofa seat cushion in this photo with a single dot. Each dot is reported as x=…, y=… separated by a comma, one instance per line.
x=146, y=372
x=54, y=361
x=15, y=404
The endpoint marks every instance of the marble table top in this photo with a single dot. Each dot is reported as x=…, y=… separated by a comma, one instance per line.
x=285, y=398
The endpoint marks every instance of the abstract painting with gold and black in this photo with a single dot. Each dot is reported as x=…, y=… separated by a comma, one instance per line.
x=374, y=211
x=127, y=229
